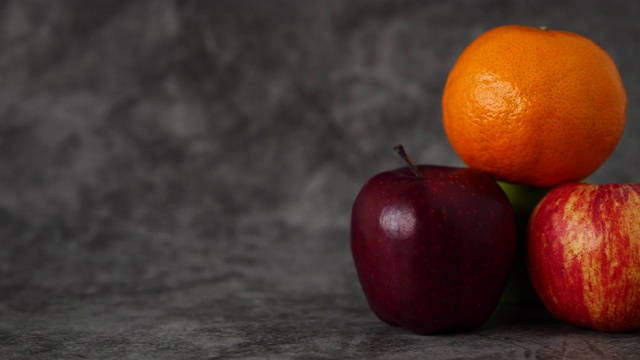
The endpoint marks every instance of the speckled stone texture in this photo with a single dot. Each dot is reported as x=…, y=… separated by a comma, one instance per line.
x=176, y=177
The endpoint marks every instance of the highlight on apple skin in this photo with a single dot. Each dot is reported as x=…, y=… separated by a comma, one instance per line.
x=584, y=255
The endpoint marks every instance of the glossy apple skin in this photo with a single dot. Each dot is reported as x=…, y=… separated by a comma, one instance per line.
x=584, y=255
x=433, y=253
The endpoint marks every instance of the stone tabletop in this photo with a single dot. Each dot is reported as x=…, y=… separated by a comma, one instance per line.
x=176, y=177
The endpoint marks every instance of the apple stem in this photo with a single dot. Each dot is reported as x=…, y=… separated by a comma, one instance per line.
x=403, y=154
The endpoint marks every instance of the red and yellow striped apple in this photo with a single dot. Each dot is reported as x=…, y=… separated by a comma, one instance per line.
x=584, y=254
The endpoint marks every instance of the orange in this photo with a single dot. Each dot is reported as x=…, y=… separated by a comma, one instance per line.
x=534, y=106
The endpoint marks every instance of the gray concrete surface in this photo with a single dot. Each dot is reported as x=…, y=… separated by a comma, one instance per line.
x=176, y=177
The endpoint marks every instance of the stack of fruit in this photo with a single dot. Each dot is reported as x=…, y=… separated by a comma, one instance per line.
x=532, y=112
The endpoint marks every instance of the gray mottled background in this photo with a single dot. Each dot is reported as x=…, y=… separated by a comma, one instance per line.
x=176, y=177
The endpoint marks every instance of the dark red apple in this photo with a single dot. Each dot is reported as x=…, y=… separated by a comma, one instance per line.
x=433, y=246
x=584, y=255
